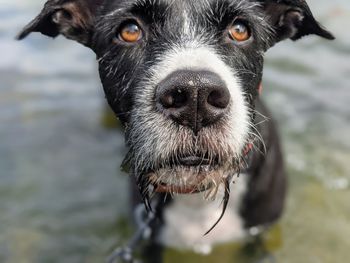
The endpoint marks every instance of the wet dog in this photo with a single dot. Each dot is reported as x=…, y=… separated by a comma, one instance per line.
x=184, y=78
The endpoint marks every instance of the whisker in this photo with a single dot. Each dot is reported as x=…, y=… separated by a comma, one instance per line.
x=225, y=200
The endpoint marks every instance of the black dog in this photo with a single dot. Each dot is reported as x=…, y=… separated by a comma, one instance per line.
x=184, y=76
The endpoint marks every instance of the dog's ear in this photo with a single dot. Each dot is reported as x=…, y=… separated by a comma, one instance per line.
x=72, y=18
x=293, y=19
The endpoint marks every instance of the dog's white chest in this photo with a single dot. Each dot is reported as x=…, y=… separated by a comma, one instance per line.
x=190, y=216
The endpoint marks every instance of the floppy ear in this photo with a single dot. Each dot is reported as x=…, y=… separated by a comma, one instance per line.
x=293, y=19
x=72, y=18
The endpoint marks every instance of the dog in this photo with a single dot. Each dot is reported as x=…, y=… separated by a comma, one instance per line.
x=184, y=78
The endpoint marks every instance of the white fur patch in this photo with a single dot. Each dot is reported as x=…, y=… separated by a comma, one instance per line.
x=198, y=57
x=190, y=216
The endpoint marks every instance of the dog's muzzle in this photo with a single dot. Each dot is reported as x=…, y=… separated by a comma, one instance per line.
x=193, y=100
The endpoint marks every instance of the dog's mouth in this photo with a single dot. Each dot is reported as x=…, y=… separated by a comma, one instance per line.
x=192, y=182
x=195, y=161
x=188, y=175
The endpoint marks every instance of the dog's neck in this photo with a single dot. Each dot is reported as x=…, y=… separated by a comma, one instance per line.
x=188, y=217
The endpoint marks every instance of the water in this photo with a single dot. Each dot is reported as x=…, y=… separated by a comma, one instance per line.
x=63, y=197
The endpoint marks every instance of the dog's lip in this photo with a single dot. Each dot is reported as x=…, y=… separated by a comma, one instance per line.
x=202, y=162
x=194, y=161
x=164, y=188
x=195, y=186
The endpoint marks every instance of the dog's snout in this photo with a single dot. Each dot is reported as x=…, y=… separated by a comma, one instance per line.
x=193, y=98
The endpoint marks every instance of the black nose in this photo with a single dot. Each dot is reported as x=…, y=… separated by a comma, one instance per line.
x=193, y=98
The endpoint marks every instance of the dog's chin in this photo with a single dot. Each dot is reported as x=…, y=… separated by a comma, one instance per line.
x=182, y=179
x=191, y=176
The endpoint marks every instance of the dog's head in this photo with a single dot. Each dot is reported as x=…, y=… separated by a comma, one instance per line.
x=182, y=76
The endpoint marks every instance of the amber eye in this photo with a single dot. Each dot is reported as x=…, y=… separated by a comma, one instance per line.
x=130, y=32
x=239, y=32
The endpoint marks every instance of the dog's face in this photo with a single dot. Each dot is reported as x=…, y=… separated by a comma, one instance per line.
x=182, y=76
x=185, y=86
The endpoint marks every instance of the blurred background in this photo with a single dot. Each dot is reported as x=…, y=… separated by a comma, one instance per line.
x=62, y=195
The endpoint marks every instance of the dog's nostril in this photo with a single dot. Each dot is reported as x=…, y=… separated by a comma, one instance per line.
x=176, y=98
x=219, y=98
x=167, y=100
x=180, y=98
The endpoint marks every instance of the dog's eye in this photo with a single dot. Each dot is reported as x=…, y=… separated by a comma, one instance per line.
x=239, y=32
x=130, y=32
